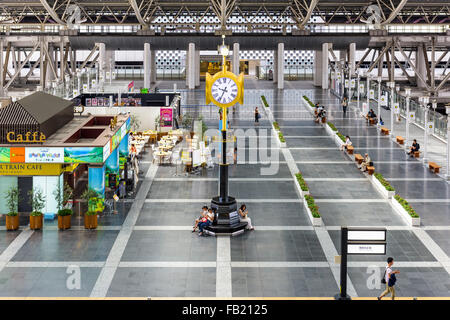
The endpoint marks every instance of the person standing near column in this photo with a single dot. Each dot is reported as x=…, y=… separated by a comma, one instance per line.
x=389, y=279
x=256, y=115
x=344, y=105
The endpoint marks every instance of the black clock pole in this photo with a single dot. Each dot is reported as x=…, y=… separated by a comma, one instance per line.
x=223, y=171
x=226, y=220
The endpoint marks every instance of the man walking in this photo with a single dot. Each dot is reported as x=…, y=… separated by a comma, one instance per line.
x=344, y=105
x=390, y=279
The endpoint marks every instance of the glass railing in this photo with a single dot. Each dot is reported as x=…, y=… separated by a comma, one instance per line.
x=439, y=120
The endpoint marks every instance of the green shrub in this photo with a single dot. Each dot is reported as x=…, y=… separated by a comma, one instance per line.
x=65, y=212
x=312, y=206
x=309, y=101
x=263, y=98
x=281, y=137
x=276, y=126
x=301, y=182
x=36, y=214
x=406, y=206
x=91, y=213
x=383, y=181
x=332, y=127
x=341, y=136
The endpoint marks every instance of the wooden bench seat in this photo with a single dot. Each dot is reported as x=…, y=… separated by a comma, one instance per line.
x=350, y=149
x=372, y=121
x=416, y=154
x=434, y=166
x=324, y=119
x=370, y=170
x=384, y=130
x=359, y=158
x=400, y=140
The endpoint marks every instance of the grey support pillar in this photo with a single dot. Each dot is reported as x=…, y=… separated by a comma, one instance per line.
x=62, y=65
x=152, y=66
x=49, y=76
x=42, y=65
x=147, y=59
x=101, y=63
x=2, y=92
x=275, y=66
x=318, y=68
x=190, y=72
x=110, y=64
x=421, y=67
x=235, y=62
x=280, y=67
x=197, y=68
x=325, y=82
x=448, y=142
x=351, y=59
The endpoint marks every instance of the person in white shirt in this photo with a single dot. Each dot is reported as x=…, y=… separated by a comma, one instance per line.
x=346, y=144
x=389, y=278
x=208, y=222
x=243, y=217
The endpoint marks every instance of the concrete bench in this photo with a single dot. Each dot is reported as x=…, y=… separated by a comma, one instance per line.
x=434, y=166
x=370, y=170
x=359, y=158
x=350, y=149
x=400, y=140
x=384, y=130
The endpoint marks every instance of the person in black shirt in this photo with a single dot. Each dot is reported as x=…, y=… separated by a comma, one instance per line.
x=415, y=147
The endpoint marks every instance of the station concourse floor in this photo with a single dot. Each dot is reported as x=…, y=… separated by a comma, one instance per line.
x=148, y=249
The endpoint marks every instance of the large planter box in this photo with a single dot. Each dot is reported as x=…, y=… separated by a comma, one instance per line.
x=90, y=221
x=414, y=222
x=386, y=194
x=338, y=140
x=316, y=222
x=306, y=103
x=12, y=222
x=64, y=222
x=329, y=130
x=36, y=222
x=299, y=189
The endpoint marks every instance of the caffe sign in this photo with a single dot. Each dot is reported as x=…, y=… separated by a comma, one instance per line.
x=29, y=137
x=30, y=169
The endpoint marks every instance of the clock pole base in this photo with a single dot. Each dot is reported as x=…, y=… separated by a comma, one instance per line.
x=227, y=220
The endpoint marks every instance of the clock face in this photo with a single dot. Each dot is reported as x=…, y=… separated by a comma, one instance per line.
x=224, y=90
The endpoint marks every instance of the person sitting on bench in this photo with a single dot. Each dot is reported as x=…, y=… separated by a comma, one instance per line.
x=414, y=148
x=365, y=163
x=371, y=115
x=346, y=144
x=320, y=114
x=316, y=106
x=202, y=215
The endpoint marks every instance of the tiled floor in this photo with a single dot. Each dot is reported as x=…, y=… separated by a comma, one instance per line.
x=148, y=249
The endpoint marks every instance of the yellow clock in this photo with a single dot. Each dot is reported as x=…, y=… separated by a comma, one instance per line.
x=224, y=89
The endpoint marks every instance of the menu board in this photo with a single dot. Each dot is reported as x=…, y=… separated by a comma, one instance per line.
x=166, y=117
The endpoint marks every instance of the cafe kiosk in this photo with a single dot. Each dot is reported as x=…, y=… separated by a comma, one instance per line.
x=43, y=145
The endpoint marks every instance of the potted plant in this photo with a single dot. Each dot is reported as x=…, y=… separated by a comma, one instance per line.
x=12, y=201
x=90, y=216
x=37, y=201
x=62, y=197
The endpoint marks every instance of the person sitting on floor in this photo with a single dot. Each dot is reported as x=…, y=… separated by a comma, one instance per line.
x=243, y=213
x=414, y=148
x=202, y=215
x=346, y=144
x=366, y=163
x=208, y=221
x=371, y=115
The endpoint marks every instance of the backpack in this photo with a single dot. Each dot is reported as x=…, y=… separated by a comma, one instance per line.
x=383, y=278
x=392, y=280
